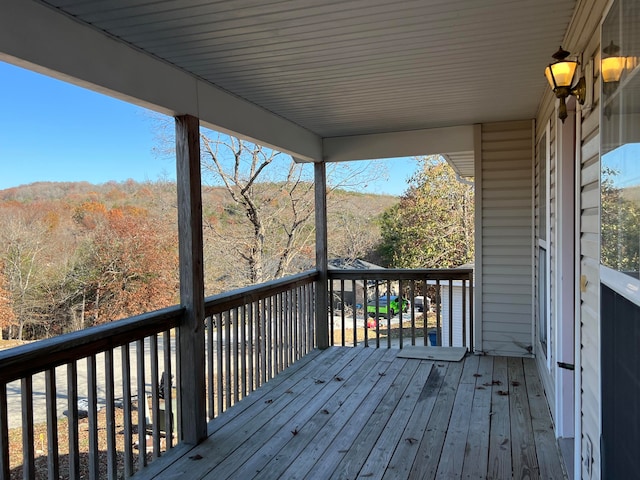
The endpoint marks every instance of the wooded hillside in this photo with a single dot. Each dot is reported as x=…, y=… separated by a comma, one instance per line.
x=74, y=255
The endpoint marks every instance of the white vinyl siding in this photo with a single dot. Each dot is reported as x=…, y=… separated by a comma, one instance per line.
x=506, y=222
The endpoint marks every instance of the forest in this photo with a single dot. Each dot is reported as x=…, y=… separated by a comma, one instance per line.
x=74, y=255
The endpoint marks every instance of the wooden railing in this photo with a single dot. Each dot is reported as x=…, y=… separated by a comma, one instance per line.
x=378, y=307
x=251, y=335
x=254, y=333
x=95, y=367
x=132, y=411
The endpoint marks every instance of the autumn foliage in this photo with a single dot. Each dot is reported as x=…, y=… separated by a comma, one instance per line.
x=75, y=255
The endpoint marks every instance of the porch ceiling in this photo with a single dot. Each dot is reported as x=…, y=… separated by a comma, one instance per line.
x=341, y=68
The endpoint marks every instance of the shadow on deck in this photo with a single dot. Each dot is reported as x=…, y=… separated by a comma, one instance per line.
x=350, y=413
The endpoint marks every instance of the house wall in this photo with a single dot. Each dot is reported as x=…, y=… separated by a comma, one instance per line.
x=505, y=212
x=583, y=36
x=456, y=313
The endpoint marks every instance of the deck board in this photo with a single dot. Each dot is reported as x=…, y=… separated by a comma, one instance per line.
x=476, y=453
x=349, y=413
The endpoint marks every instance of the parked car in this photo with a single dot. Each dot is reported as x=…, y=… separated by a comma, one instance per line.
x=422, y=304
x=394, y=306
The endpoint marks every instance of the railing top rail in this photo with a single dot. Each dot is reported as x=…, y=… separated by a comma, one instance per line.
x=402, y=274
x=36, y=357
x=242, y=296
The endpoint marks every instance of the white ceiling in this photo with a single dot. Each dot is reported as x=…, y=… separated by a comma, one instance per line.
x=340, y=67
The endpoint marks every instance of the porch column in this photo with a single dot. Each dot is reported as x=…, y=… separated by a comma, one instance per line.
x=322, y=327
x=190, y=341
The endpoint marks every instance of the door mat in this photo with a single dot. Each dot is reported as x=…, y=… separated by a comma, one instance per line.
x=445, y=354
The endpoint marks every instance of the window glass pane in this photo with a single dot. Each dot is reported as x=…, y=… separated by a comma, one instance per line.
x=620, y=176
x=542, y=186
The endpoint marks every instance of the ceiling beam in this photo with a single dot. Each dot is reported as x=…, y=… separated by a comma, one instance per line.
x=39, y=38
x=399, y=144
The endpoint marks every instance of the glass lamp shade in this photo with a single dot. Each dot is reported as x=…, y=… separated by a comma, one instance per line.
x=560, y=74
x=612, y=68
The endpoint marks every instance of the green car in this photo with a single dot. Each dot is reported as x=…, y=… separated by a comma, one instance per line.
x=382, y=306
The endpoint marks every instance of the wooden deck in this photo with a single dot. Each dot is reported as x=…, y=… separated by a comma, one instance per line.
x=349, y=413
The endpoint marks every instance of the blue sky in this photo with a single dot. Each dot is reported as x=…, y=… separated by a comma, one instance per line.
x=55, y=131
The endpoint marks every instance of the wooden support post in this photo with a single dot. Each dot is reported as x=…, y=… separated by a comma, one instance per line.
x=322, y=301
x=191, y=353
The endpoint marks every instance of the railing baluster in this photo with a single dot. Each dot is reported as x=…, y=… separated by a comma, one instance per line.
x=168, y=389
x=464, y=313
x=389, y=313
x=450, y=313
x=263, y=341
x=332, y=339
x=112, y=465
x=142, y=406
x=72, y=413
x=296, y=309
x=210, y=375
x=227, y=370
x=155, y=395
x=253, y=381
x=53, y=464
x=438, y=309
x=425, y=312
x=471, y=339
x=278, y=333
x=400, y=312
x=342, y=318
x=126, y=404
x=377, y=314
x=92, y=394
x=219, y=362
x=270, y=335
x=243, y=350
x=412, y=293
x=28, y=453
x=5, y=468
x=236, y=365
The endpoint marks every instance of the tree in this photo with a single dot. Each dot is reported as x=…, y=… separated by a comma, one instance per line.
x=128, y=264
x=263, y=229
x=432, y=226
x=620, y=224
x=7, y=315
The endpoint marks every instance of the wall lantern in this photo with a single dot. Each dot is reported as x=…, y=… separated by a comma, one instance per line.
x=613, y=64
x=560, y=76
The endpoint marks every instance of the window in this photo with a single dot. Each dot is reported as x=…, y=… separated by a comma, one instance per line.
x=620, y=131
x=542, y=227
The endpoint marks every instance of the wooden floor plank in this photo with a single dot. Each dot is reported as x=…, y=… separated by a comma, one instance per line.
x=499, y=462
x=547, y=451
x=523, y=450
x=477, y=449
x=390, y=436
x=405, y=453
x=470, y=369
x=428, y=454
x=455, y=442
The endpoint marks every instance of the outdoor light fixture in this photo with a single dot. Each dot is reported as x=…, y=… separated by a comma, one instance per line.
x=613, y=64
x=560, y=76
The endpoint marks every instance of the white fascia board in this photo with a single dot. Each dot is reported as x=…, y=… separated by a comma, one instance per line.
x=399, y=144
x=37, y=37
